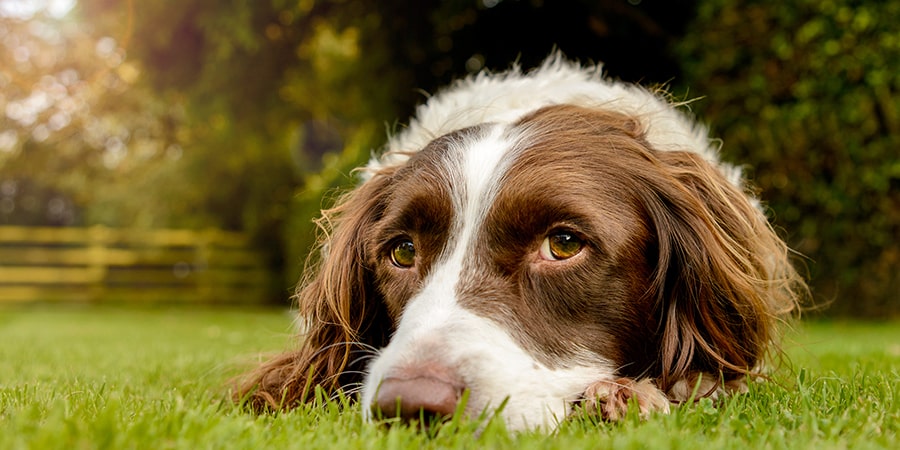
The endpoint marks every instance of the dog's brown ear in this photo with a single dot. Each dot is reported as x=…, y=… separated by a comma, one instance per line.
x=723, y=279
x=341, y=316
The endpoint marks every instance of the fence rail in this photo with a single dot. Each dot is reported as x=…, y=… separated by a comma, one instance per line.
x=109, y=264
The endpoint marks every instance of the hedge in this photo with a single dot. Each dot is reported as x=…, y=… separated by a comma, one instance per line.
x=806, y=93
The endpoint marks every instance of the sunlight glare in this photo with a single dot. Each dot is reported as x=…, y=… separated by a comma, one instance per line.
x=24, y=9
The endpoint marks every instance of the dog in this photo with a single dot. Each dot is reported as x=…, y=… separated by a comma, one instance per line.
x=542, y=244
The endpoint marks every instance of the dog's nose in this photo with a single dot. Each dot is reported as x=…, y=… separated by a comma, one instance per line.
x=411, y=398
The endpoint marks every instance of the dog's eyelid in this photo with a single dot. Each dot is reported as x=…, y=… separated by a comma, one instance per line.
x=389, y=239
x=574, y=228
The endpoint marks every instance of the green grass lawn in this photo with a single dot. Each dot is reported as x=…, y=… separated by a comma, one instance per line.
x=74, y=378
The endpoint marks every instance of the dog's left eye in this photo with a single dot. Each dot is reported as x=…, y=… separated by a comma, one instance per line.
x=403, y=254
x=560, y=246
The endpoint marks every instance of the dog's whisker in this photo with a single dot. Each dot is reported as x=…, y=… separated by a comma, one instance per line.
x=353, y=390
x=359, y=347
x=347, y=392
x=361, y=359
x=368, y=347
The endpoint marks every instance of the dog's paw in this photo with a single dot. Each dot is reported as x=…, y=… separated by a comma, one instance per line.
x=703, y=385
x=610, y=399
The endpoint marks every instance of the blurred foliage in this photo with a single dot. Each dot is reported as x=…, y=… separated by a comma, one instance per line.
x=245, y=114
x=188, y=114
x=806, y=93
x=260, y=83
x=72, y=116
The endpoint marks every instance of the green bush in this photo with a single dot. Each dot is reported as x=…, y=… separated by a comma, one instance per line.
x=806, y=93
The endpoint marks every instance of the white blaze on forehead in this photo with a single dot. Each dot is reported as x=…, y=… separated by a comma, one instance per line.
x=476, y=163
x=479, y=167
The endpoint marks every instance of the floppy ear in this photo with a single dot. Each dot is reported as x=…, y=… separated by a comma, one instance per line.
x=342, y=313
x=722, y=279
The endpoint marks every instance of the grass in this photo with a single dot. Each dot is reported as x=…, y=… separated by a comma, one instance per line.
x=85, y=378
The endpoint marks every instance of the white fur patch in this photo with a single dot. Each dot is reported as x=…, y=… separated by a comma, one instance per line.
x=506, y=97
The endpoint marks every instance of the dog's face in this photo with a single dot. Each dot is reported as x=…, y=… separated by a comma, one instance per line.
x=515, y=262
x=572, y=255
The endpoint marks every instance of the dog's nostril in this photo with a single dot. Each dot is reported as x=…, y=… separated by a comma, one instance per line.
x=413, y=398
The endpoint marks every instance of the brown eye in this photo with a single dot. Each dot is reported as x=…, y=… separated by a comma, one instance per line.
x=560, y=246
x=404, y=254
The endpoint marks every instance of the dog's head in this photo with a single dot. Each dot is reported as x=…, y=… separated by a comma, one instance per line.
x=526, y=260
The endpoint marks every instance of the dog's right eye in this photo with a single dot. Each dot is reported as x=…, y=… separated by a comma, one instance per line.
x=403, y=254
x=560, y=246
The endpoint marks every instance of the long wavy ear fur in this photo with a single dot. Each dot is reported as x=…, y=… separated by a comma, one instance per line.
x=339, y=306
x=723, y=279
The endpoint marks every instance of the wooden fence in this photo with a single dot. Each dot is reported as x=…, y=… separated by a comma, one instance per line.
x=100, y=264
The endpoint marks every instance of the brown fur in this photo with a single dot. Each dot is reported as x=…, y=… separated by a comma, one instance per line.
x=707, y=284
x=341, y=323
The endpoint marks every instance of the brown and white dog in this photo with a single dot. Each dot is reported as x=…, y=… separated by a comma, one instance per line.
x=542, y=240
